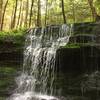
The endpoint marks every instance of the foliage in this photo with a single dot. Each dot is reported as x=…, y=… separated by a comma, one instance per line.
x=72, y=45
x=97, y=5
x=16, y=36
x=50, y=11
x=78, y=45
x=14, y=32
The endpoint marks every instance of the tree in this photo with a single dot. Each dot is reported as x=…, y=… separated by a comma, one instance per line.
x=46, y=9
x=31, y=13
x=3, y=14
x=14, y=16
x=1, y=3
x=26, y=15
x=19, y=14
x=39, y=14
x=30, y=17
x=73, y=11
x=97, y=5
x=63, y=11
x=22, y=16
x=96, y=17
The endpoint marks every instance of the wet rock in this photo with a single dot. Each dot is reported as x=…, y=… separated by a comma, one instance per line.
x=86, y=28
x=72, y=64
x=83, y=38
x=80, y=59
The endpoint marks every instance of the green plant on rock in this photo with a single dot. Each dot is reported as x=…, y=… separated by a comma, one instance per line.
x=72, y=45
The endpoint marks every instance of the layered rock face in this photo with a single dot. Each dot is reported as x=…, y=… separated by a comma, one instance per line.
x=77, y=67
x=11, y=58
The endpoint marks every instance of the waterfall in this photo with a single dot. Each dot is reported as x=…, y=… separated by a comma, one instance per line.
x=36, y=81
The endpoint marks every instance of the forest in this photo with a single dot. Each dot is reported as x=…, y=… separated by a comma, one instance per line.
x=60, y=61
x=19, y=14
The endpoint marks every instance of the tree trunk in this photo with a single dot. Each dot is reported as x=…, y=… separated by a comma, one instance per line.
x=30, y=19
x=39, y=14
x=93, y=10
x=21, y=21
x=14, y=17
x=26, y=15
x=73, y=10
x=3, y=15
x=19, y=13
x=46, y=12
x=63, y=11
x=1, y=3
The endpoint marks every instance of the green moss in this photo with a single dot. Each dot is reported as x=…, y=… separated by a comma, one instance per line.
x=16, y=32
x=12, y=40
x=78, y=45
x=14, y=36
x=7, y=70
x=2, y=98
x=5, y=83
x=71, y=46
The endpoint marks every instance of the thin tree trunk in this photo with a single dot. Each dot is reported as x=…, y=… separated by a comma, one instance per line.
x=74, y=19
x=19, y=14
x=63, y=11
x=1, y=4
x=3, y=15
x=26, y=15
x=39, y=14
x=14, y=17
x=46, y=12
x=30, y=19
x=93, y=10
x=21, y=21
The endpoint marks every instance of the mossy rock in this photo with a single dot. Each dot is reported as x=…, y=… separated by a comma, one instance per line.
x=5, y=83
x=7, y=70
x=2, y=98
x=71, y=45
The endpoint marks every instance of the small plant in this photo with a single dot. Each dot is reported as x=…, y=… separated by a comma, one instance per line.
x=71, y=46
x=13, y=36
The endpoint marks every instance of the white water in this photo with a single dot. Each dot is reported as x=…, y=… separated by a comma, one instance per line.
x=37, y=79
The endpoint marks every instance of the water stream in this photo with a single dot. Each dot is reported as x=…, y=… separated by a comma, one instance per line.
x=36, y=81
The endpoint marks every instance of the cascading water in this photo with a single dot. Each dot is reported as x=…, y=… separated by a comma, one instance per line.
x=37, y=79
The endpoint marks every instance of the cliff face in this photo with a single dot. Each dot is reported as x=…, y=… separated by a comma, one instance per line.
x=78, y=63
x=11, y=60
x=79, y=72
x=75, y=64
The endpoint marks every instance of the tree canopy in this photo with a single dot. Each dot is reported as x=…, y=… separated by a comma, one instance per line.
x=31, y=13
